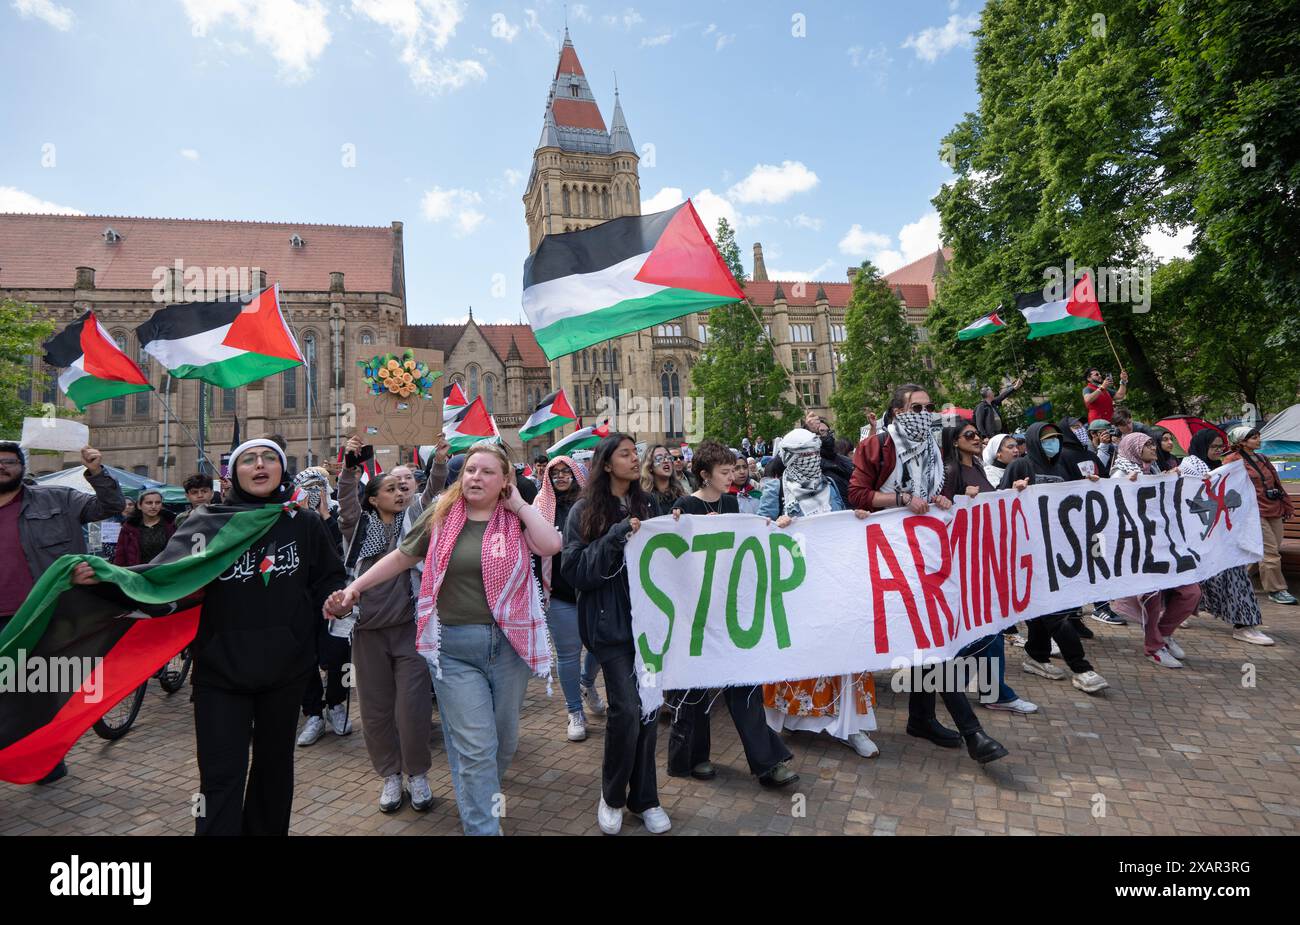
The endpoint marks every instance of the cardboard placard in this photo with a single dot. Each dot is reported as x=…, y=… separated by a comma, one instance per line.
x=388, y=420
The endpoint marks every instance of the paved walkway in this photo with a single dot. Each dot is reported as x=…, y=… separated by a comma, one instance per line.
x=1161, y=752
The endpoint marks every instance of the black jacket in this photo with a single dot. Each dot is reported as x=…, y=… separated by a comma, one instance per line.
x=987, y=419
x=837, y=468
x=597, y=572
x=560, y=587
x=257, y=634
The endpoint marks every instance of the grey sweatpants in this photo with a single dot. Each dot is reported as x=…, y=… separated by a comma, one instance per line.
x=396, y=703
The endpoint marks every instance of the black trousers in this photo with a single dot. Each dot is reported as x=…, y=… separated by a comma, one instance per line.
x=921, y=706
x=225, y=725
x=690, y=738
x=335, y=652
x=1044, y=629
x=627, y=777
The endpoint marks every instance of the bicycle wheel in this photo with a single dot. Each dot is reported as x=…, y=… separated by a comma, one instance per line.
x=116, y=722
x=172, y=675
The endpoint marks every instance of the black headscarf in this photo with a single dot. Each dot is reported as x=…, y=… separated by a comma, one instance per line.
x=1074, y=451
x=1019, y=468
x=1044, y=467
x=1200, y=446
x=1164, y=459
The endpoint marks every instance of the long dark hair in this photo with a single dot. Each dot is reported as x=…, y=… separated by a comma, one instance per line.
x=602, y=509
x=952, y=455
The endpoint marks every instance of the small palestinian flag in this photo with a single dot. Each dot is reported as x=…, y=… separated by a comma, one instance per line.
x=468, y=426
x=227, y=344
x=623, y=275
x=267, y=566
x=986, y=325
x=551, y=412
x=579, y=440
x=71, y=626
x=1077, y=313
x=96, y=368
x=453, y=399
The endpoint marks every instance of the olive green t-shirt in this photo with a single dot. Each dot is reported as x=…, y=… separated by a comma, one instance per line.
x=461, y=599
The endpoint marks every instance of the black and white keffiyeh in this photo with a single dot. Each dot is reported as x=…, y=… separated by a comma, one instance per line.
x=913, y=433
x=379, y=537
x=804, y=488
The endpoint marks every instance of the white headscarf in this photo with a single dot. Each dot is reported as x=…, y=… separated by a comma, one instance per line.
x=806, y=491
x=994, y=470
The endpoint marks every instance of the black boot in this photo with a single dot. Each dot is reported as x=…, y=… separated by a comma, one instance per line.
x=59, y=772
x=984, y=748
x=935, y=731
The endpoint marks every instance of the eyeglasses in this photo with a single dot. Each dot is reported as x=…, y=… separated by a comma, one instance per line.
x=268, y=458
x=11, y=464
x=661, y=457
x=970, y=435
x=917, y=407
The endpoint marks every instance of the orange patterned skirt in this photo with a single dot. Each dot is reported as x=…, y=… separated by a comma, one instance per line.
x=819, y=696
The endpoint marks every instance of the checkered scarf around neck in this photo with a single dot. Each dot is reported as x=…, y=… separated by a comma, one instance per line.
x=379, y=537
x=1128, y=458
x=914, y=434
x=805, y=490
x=545, y=502
x=512, y=594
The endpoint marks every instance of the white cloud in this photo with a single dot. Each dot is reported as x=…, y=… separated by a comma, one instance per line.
x=657, y=40
x=708, y=204
x=190, y=154
x=919, y=238
x=502, y=28
x=858, y=243
x=13, y=199
x=513, y=176
x=806, y=221
x=723, y=41
x=628, y=18
x=888, y=260
x=1165, y=246
x=580, y=13
x=666, y=198
x=713, y=27
x=60, y=17
x=930, y=44
x=293, y=30
x=533, y=23
x=456, y=205
x=801, y=275
x=424, y=27
x=769, y=183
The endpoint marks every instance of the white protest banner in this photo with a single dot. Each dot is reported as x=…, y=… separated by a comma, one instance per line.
x=54, y=434
x=730, y=599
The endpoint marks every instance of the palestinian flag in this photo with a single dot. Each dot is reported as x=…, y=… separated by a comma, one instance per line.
x=96, y=368
x=622, y=275
x=551, y=412
x=1076, y=313
x=227, y=344
x=468, y=426
x=986, y=325
x=453, y=399
x=579, y=440
x=62, y=627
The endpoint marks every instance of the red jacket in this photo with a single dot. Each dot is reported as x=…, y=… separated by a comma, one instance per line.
x=128, y=542
x=873, y=463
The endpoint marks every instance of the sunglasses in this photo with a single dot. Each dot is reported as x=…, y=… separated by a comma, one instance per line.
x=970, y=435
x=661, y=457
x=917, y=407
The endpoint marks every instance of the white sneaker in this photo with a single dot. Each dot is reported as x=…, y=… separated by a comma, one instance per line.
x=1252, y=634
x=1089, y=682
x=655, y=819
x=861, y=743
x=577, y=726
x=1165, y=659
x=1056, y=650
x=1016, y=640
x=312, y=730
x=421, y=795
x=609, y=819
x=338, y=718
x=390, y=801
x=591, y=698
x=1043, y=669
x=1175, y=649
x=1019, y=705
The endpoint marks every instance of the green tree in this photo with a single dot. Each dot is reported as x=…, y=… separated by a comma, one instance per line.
x=22, y=332
x=881, y=351
x=737, y=376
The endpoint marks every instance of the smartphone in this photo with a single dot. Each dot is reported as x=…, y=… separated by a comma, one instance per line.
x=356, y=459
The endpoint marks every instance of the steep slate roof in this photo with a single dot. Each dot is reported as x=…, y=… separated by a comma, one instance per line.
x=43, y=251
x=573, y=122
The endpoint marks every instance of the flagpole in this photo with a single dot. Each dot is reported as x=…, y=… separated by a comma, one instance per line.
x=1115, y=353
x=776, y=356
x=167, y=429
x=181, y=421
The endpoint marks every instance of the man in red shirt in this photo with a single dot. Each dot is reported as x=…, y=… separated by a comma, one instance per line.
x=1099, y=397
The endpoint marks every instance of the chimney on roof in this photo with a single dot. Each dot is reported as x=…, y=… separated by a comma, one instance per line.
x=85, y=277
x=336, y=281
x=760, y=268
x=853, y=273
x=259, y=279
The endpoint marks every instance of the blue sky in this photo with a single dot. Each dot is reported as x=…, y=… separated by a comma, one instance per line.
x=822, y=145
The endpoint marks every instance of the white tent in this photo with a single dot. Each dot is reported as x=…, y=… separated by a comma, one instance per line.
x=1281, y=435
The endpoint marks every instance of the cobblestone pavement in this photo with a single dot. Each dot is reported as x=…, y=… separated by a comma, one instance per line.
x=1195, y=751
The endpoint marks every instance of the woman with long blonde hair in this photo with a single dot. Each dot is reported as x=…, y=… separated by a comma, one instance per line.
x=479, y=620
x=660, y=480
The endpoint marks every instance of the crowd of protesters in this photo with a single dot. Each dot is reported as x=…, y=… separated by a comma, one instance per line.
x=451, y=583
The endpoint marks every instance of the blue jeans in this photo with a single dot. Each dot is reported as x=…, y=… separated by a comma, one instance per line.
x=993, y=648
x=562, y=619
x=479, y=697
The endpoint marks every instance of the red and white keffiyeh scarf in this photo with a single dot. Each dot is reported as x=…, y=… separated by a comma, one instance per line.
x=545, y=503
x=508, y=583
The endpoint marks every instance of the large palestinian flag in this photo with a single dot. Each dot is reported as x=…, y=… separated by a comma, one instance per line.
x=1076, y=313
x=469, y=425
x=580, y=439
x=227, y=344
x=622, y=275
x=61, y=627
x=97, y=369
x=551, y=412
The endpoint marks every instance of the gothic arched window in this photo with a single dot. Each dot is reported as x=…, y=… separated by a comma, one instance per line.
x=490, y=393
x=586, y=201
x=670, y=391
x=473, y=383
x=564, y=193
